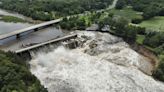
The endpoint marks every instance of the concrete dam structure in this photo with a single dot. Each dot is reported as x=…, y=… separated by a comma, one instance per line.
x=25, y=52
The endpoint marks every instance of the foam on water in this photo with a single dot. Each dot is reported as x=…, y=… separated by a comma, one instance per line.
x=114, y=69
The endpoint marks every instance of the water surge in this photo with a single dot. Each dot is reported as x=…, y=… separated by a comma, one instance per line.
x=102, y=63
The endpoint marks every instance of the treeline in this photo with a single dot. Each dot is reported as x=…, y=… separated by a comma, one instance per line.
x=48, y=9
x=117, y=25
x=150, y=8
x=15, y=75
x=120, y=26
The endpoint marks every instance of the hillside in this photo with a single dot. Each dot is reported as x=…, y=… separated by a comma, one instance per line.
x=15, y=75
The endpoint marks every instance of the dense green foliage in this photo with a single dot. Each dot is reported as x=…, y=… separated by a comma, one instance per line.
x=80, y=22
x=118, y=25
x=15, y=76
x=154, y=40
x=150, y=8
x=120, y=4
x=159, y=73
x=48, y=9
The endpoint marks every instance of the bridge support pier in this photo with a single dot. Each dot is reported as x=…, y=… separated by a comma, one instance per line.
x=18, y=36
x=35, y=30
x=25, y=55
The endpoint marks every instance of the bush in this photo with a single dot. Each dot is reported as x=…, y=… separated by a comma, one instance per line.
x=120, y=4
x=159, y=72
x=137, y=20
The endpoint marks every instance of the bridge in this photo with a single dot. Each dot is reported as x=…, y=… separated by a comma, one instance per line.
x=35, y=27
x=18, y=33
x=25, y=52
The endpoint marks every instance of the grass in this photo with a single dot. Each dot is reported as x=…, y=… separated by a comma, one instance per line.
x=140, y=39
x=126, y=12
x=155, y=24
x=11, y=19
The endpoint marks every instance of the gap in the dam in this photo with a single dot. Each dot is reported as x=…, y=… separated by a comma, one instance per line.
x=30, y=54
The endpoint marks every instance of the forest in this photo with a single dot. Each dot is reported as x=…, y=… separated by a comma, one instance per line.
x=15, y=75
x=50, y=9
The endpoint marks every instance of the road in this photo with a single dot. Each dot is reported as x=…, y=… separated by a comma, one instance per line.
x=4, y=36
x=15, y=45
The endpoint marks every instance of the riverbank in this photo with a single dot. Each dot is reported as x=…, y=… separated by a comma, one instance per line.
x=41, y=10
x=147, y=53
x=11, y=19
x=15, y=17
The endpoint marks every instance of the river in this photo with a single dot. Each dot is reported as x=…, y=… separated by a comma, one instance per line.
x=102, y=63
x=13, y=44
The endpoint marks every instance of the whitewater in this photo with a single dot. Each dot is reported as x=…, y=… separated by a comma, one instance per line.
x=101, y=63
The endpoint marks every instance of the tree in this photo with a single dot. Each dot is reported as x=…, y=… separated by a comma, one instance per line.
x=131, y=33
x=137, y=20
x=120, y=25
x=120, y=4
x=15, y=76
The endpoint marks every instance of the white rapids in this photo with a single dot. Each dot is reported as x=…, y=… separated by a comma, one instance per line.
x=103, y=63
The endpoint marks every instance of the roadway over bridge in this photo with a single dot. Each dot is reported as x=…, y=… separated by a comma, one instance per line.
x=18, y=32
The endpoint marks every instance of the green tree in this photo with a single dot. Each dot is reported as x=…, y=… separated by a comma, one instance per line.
x=15, y=76
x=120, y=4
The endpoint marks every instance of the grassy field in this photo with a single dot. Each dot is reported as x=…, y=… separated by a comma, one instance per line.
x=155, y=24
x=140, y=39
x=126, y=12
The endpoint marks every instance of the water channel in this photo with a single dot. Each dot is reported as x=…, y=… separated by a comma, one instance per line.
x=13, y=44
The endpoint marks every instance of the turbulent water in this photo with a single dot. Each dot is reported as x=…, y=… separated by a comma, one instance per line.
x=102, y=63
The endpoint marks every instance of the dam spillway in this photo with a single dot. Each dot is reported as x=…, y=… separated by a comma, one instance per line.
x=25, y=52
x=102, y=63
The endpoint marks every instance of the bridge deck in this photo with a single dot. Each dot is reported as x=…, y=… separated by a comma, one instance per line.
x=4, y=36
x=45, y=43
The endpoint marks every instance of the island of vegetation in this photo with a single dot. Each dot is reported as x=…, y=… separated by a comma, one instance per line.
x=11, y=19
